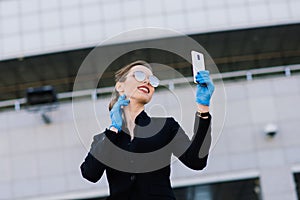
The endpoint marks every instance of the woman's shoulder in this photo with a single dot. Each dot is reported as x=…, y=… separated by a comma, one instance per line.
x=98, y=136
x=169, y=121
x=101, y=135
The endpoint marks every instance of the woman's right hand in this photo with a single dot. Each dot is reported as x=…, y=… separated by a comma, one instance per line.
x=116, y=112
x=205, y=88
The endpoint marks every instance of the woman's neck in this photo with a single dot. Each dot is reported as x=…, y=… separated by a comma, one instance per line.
x=130, y=113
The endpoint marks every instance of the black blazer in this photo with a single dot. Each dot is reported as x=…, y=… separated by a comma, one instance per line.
x=134, y=175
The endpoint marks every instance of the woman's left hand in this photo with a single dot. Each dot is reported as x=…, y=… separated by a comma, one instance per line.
x=205, y=88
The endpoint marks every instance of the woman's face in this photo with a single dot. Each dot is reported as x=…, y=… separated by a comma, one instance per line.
x=139, y=92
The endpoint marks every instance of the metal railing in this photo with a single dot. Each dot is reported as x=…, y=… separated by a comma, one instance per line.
x=247, y=74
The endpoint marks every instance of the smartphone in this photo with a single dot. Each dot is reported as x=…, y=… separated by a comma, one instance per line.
x=197, y=63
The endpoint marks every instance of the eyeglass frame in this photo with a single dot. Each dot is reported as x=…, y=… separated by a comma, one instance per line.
x=149, y=78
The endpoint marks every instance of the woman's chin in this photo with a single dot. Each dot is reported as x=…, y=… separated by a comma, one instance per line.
x=141, y=99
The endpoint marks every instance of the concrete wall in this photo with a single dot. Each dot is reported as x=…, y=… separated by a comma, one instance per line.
x=30, y=27
x=42, y=161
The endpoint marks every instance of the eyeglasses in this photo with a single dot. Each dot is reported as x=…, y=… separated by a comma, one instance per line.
x=141, y=76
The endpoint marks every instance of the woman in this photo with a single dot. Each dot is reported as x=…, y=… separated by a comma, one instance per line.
x=133, y=131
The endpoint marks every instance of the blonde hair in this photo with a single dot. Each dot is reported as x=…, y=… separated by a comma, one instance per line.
x=120, y=76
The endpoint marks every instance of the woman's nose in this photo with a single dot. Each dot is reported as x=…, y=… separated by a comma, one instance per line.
x=146, y=81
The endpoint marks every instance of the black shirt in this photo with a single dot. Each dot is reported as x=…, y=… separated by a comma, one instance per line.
x=139, y=169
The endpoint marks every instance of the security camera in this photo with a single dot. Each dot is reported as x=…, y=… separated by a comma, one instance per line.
x=270, y=130
x=46, y=118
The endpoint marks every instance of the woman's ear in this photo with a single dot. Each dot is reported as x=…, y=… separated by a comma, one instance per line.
x=120, y=87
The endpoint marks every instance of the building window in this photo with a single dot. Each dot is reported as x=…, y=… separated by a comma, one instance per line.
x=248, y=189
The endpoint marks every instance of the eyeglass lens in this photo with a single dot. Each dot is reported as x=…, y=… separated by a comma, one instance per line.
x=141, y=76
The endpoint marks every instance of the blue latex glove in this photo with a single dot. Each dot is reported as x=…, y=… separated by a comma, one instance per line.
x=205, y=88
x=116, y=112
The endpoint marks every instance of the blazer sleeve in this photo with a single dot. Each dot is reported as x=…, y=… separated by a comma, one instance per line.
x=193, y=153
x=92, y=168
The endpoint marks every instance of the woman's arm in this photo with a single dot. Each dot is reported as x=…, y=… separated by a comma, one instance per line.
x=193, y=153
x=92, y=169
x=195, y=156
